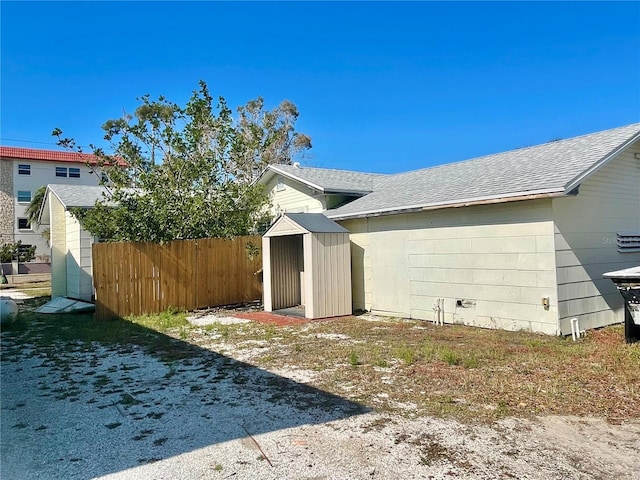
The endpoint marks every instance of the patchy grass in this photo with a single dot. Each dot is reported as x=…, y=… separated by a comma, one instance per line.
x=43, y=285
x=416, y=368
x=408, y=367
x=162, y=322
x=48, y=333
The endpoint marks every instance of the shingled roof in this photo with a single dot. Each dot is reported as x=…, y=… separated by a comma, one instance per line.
x=556, y=168
x=82, y=196
x=326, y=180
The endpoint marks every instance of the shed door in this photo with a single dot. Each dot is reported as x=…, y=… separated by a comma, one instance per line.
x=286, y=265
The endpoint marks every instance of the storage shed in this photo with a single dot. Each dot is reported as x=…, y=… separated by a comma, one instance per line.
x=307, y=261
x=71, y=260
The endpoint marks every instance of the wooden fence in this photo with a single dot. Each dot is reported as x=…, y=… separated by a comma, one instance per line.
x=137, y=278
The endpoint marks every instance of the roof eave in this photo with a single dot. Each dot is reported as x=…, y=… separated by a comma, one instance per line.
x=45, y=202
x=599, y=164
x=359, y=193
x=516, y=197
x=297, y=179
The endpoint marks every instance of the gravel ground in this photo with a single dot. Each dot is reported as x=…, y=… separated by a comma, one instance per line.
x=120, y=413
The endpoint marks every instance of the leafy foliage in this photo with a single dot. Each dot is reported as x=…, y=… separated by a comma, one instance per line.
x=33, y=210
x=16, y=251
x=186, y=173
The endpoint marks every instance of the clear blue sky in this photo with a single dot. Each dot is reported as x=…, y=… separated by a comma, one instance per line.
x=382, y=87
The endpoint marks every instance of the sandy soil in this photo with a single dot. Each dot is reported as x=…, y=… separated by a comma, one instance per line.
x=119, y=413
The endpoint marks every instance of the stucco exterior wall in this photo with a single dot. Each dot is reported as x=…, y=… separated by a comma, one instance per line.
x=41, y=174
x=7, y=213
x=498, y=261
x=585, y=241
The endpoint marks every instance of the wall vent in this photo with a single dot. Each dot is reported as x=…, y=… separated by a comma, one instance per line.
x=628, y=241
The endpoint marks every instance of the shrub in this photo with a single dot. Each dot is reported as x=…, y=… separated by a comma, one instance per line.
x=17, y=251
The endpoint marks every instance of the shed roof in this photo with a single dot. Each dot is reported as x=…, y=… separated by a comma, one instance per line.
x=300, y=223
x=83, y=196
x=79, y=195
x=552, y=168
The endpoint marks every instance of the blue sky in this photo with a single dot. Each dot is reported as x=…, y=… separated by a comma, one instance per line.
x=383, y=87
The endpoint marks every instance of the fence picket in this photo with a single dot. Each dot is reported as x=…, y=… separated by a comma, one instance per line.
x=137, y=278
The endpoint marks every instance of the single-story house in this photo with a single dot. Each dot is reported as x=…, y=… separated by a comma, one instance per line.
x=515, y=240
x=71, y=260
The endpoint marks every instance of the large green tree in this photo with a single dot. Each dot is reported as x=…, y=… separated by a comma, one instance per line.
x=189, y=172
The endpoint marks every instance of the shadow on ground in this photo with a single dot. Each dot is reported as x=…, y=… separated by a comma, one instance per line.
x=82, y=399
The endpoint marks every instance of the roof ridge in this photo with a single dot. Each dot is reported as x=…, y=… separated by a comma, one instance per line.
x=323, y=169
x=552, y=168
x=505, y=152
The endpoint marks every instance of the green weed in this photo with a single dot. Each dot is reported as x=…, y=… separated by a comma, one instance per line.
x=406, y=354
x=449, y=356
x=354, y=361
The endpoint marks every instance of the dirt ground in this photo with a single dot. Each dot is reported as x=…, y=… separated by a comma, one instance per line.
x=80, y=411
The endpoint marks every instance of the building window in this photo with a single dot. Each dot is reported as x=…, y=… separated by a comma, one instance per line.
x=74, y=172
x=23, y=224
x=24, y=169
x=280, y=185
x=61, y=171
x=24, y=196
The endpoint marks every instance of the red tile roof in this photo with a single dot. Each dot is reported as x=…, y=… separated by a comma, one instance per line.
x=18, y=153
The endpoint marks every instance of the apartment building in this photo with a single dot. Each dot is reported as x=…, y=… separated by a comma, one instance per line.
x=22, y=172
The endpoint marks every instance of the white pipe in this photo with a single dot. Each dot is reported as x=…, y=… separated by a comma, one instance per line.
x=434, y=307
x=576, y=333
x=438, y=311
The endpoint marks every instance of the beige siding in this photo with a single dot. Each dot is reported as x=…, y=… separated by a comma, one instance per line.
x=58, y=248
x=585, y=241
x=86, y=270
x=362, y=291
x=390, y=274
x=328, y=281
x=293, y=197
x=73, y=256
x=498, y=260
x=78, y=260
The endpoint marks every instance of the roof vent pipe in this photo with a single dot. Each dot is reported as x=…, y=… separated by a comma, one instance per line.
x=296, y=165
